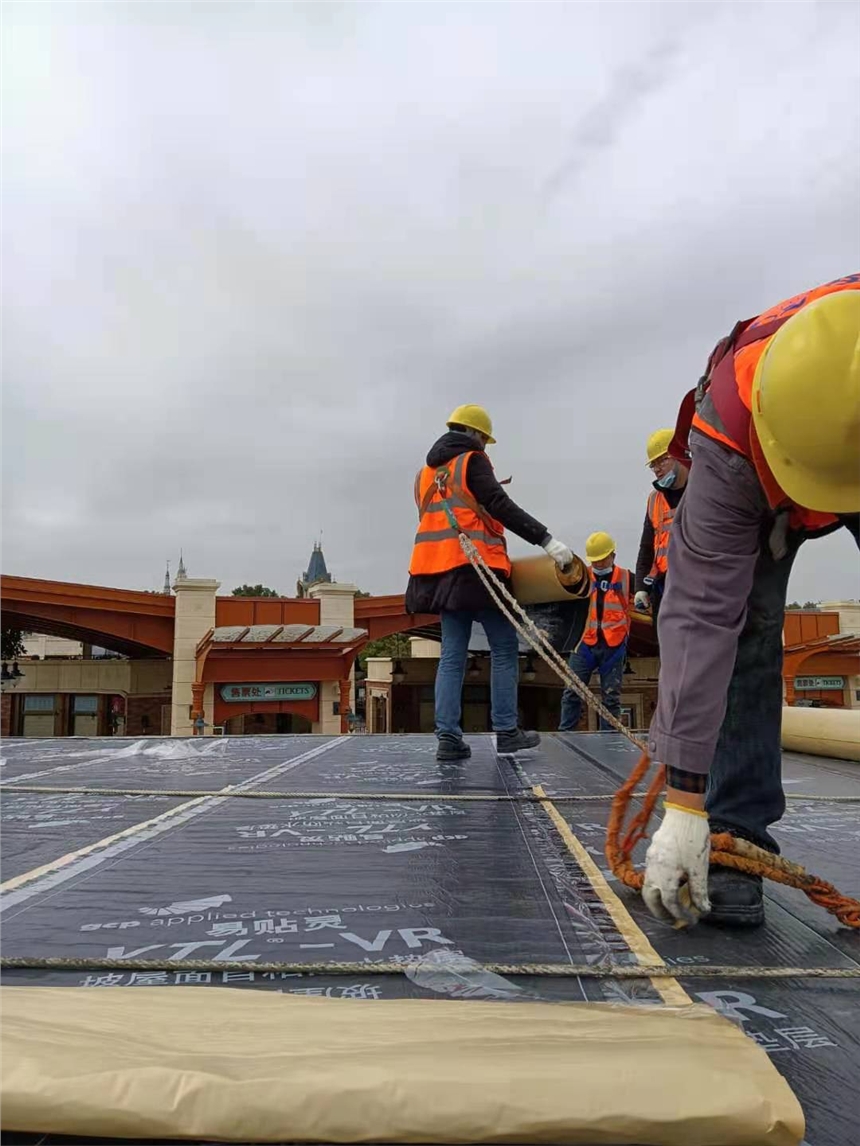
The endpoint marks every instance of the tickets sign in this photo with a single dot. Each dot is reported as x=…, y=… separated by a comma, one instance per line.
x=813, y=682
x=237, y=693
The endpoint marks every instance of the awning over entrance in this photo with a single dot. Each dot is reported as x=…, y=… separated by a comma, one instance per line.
x=261, y=654
x=819, y=670
x=292, y=636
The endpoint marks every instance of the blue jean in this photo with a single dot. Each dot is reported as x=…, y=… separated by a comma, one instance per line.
x=745, y=783
x=609, y=663
x=504, y=653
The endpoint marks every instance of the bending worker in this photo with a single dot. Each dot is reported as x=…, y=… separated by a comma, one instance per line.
x=670, y=481
x=604, y=641
x=775, y=443
x=442, y=580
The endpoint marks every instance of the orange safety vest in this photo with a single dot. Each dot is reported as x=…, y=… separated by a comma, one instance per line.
x=615, y=623
x=721, y=405
x=437, y=546
x=661, y=515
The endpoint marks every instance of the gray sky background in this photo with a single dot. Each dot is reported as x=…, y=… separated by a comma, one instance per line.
x=255, y=253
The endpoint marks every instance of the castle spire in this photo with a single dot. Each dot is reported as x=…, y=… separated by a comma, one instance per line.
x=317, y=570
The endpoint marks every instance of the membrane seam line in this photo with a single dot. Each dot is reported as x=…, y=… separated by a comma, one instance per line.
x=539, y=873
x=461, y=797
x=70, y=857
x=669, y=989
x=658, y=971
x=215, y=797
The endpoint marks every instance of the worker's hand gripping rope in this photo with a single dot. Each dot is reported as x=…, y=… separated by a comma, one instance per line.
x=679, y=849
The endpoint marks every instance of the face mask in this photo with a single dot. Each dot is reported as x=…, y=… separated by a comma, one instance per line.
x=601, y=571
x=667, y=481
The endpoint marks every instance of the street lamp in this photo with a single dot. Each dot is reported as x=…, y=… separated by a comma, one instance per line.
x=398, y=675
x=474, y=668
x=529, y=673
x=8, y=679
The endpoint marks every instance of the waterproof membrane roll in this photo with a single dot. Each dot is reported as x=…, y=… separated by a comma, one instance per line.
x=539, y=581
x=242, y=1066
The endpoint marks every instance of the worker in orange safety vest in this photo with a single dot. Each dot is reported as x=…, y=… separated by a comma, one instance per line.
x=604, y=641
x=458, y=479
x=774, y=433
x=652, y=564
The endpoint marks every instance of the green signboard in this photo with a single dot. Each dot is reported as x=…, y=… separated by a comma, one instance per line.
x=237, y=693
x=815, y=682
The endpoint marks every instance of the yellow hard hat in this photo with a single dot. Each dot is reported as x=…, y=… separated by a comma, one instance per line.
x=474, y=418
x=598, y=546
x=658, y=445
x=806, y=404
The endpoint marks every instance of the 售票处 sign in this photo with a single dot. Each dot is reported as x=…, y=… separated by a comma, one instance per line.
x=811, y=682
x=262, y=692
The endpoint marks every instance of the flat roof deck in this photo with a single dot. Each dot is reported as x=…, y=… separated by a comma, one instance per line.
x=337, y=876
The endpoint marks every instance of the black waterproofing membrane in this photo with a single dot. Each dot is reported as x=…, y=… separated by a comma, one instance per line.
x=362, y=881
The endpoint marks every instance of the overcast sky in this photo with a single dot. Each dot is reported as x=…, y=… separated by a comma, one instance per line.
x=255, y=253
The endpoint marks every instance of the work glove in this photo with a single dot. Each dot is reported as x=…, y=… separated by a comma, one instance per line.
x=642, y=602
x=680, y=847
x=559, y=552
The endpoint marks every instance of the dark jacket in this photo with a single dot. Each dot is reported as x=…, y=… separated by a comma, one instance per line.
x=461, y=588
x=646, y=545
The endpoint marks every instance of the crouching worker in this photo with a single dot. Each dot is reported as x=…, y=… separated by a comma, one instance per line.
x=774, y=431
x=604, y=642
x=458, y=475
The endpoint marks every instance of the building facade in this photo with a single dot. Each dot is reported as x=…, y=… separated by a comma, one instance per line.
x=192, y=661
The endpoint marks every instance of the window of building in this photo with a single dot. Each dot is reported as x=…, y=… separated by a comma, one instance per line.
x=44, y=703
x=85, y=704
x=627, y=716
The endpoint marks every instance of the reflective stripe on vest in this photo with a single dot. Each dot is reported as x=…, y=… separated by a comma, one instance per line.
x=725, y=411
x=437, y=547
x=615, y=623
x=661, y=515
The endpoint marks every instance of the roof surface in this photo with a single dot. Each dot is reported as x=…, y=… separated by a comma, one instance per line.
x=399, y=879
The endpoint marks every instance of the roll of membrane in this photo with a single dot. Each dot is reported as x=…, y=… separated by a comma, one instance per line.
x=538, y=580
x=831, y=732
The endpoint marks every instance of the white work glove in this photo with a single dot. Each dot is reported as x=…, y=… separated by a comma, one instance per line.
x=642, y=602
x=559, y=552
x=680, y=847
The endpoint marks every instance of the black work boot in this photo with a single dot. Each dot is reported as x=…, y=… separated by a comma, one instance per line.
x=737, y=898
x=452, y=748
x=515, y=741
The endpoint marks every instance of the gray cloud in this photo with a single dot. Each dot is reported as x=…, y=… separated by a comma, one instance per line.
x=253, y=254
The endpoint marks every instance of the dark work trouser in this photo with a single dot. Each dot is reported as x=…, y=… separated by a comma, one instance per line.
x=745, y=783
x=609, y=663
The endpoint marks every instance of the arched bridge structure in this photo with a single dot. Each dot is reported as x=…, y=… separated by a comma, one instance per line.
x=127, y=621
x=140, y=624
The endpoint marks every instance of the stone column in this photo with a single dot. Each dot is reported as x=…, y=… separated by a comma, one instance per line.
x=337, y=607
x=195, y=616
x=345, y=692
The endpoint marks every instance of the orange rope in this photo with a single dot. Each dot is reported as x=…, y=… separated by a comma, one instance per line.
x=726, y=850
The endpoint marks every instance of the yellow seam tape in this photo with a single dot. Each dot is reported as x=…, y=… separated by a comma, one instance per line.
x=62, y=861
x=669, y=990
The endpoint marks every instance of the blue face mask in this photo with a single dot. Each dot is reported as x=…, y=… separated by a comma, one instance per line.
x=667, y=481
x=601, y=571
